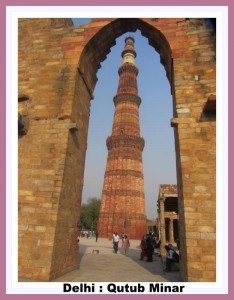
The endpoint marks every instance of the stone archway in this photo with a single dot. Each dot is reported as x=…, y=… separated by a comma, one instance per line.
x=64, y=77
x=99, y=46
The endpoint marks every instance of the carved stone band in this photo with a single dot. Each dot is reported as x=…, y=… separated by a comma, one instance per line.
x=125, y=141
x=127, y=97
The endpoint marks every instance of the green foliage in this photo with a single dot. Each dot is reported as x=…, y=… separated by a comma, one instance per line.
x=89, y=214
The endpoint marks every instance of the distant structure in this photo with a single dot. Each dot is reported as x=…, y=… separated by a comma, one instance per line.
x=168, y=215
x=123, y=200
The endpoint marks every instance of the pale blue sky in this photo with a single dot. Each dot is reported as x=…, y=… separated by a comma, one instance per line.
x=155, y=114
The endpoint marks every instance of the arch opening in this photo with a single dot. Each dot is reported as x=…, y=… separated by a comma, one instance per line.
x=99, y=46
x=94, y=56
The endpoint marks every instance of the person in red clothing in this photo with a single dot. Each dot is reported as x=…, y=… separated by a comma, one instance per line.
x=143, y=248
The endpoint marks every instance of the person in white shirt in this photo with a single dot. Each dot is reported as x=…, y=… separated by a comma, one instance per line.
x=169, y=258
x=116, y=242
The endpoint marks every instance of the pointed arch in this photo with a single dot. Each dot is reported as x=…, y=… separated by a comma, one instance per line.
x=100, y=44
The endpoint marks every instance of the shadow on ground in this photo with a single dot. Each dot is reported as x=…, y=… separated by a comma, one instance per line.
x=138, y=270
x=110, y=267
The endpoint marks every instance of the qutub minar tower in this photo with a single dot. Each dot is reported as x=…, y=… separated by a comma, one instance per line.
x=123, y=199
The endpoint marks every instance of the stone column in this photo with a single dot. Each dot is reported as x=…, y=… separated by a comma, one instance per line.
x=159, y=229
x=162, y=225
x=171, y=231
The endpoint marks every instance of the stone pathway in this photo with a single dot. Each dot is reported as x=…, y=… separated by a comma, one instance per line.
x=110, y=267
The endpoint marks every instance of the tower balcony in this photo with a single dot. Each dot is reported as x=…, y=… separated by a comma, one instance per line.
x=127, y=50
x=125, y=141
x=128, y=67
x=127, y=97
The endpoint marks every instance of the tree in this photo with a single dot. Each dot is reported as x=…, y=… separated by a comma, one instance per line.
x=89, y=214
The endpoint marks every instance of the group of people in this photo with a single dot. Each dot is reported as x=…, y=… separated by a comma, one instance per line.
x=148, y=243
x=125, y=242
x=89, y=234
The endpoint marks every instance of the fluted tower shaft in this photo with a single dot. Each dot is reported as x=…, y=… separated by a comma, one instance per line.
x=123, y=200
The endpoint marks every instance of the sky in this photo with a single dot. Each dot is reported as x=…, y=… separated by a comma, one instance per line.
x=159, y=165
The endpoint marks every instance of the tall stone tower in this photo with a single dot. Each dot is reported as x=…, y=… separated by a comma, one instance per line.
x=123, y=200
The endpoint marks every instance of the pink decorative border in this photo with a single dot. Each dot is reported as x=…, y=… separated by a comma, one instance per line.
x=3, y=5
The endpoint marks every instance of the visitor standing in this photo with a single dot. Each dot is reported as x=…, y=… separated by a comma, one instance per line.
x=143, y=248
x=126, y=244
x=149, y=247
x=96, y=235
x=116, y=242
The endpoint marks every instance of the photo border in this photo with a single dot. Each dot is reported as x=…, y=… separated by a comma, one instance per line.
x=5, y=134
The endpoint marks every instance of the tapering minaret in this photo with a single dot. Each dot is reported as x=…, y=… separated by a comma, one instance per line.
x=123, y=199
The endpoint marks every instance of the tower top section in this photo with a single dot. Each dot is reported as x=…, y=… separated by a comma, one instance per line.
x=129, y=54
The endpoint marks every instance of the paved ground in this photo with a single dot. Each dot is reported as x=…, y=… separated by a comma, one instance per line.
x=110, y=267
